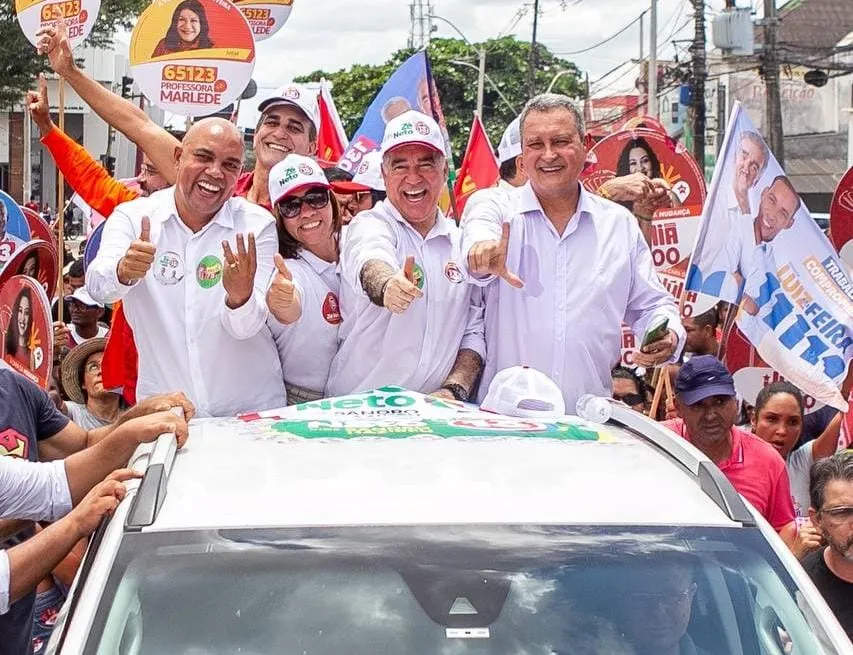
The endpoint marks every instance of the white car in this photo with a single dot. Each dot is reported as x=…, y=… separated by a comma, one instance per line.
x=389, y=522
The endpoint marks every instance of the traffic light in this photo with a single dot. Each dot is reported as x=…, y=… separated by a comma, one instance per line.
x=126, y=83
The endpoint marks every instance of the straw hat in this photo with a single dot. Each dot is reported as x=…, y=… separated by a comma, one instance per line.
x=73, y=363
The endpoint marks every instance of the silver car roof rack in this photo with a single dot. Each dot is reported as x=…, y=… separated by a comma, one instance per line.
x=152, y=490
x=711, y=480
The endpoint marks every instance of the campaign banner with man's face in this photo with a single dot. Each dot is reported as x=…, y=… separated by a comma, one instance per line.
x=266, y=17
x=841, y=218
x=27, y=344
x=36, y=259
x=14, y=229
x=759, y=248
x=79, y=17
x=192, y=57
x=673, y=228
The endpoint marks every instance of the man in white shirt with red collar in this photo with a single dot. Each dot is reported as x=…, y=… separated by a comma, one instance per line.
x=563, y=268
x=194, y=290
x=409, y=317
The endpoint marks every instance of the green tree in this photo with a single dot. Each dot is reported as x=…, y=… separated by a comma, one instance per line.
x=21, y=65
x=506, y=66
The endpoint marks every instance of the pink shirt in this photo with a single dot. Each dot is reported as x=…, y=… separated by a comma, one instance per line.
x=757, y=472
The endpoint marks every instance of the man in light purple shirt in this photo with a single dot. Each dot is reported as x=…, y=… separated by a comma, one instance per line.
x=562, y=268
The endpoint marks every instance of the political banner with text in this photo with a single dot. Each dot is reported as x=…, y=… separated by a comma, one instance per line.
x=14, y=228
x=266, y=17
x=27, y=344
x=79, y=17
x=841, y=219
x=759, y=248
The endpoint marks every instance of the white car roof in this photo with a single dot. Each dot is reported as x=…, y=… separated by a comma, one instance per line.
x=344, y=463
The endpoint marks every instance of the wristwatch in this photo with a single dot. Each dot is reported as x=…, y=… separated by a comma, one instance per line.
x=459, y=392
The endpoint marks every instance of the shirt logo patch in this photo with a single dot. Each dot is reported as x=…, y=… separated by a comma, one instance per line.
x=418, y=277
x=168, y=268
x=208, y=272
x=331, y=309
x=453, y=273
x=14, y=444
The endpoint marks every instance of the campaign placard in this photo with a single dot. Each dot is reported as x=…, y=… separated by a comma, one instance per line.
x=37, y=260
x=27, y=344
x=39, y=228
x=841, y=219
x=192, y=57
x=266, y=17
x=14, y=229
x=79, y=17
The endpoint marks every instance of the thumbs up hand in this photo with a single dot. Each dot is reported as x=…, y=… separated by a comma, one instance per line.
x=400, y=289
x=282, y=298
x=139, y=257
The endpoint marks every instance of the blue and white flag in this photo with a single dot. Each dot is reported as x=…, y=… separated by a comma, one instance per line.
x=759, y=248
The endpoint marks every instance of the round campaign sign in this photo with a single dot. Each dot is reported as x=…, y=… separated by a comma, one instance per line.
x=841, y=218
x=192, y=57
x=93, y=245
x=27, y=344
x=14, y=229
x=266, y=17
x=79, y=16
x=39, y=228
x=37, y=260
x=644, y=121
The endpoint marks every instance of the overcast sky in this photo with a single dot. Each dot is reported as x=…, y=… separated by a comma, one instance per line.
x=334, y=34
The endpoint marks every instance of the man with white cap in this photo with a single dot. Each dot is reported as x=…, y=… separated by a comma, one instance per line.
x=192, y=264
x=288, y=123
x=509, y=150
x=563, y=268
x=366, y=188
x=86, y=313
x=409, y=318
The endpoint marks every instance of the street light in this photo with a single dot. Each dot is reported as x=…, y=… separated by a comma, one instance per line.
x=557, y=77
x=488, y=79
x=481, y=69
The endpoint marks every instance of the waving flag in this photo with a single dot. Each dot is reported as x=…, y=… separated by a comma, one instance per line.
x=332, y=139
x=479, y=169
x=759, y=248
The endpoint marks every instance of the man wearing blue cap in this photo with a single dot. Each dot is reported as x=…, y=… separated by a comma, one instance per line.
x=705, y=402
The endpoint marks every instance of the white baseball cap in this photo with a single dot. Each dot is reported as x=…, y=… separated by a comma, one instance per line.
x=368, y=176
x=298, y=96
x=525, y=392
x=294, y=173
x=83, y=296
x=412, y=127
x=510, y=145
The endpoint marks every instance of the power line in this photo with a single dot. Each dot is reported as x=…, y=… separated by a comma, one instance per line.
x=607, y=40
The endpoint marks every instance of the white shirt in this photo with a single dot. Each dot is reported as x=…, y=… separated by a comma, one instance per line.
x=416, y=349
x=30, y=490
x=188, y=340
x=306, y=347
x=77, y=339
x=799, y=466
x=578, y=289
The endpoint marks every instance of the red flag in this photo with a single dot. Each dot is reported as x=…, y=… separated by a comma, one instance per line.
x=332, y=139
x=479, y=169
x=119, y=364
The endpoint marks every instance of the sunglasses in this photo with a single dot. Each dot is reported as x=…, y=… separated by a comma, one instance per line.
x=292, y=207
x=629, y=399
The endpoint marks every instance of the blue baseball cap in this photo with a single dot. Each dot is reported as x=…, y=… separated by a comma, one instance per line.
x=701, y=377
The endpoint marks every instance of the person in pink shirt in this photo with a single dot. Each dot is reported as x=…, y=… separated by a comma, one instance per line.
x=707, y=410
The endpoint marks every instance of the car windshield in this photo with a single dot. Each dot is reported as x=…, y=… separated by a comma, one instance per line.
x=453, y=590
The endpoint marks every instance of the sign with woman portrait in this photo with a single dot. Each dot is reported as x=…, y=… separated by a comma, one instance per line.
x=841, y=219
x=14, y=229
x=39, y=228
x=27, y=344
x=37, y=260
x=192, y=57
x=266, y=17
x=79, y=17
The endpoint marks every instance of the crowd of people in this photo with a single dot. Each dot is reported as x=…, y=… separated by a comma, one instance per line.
x=238, y=291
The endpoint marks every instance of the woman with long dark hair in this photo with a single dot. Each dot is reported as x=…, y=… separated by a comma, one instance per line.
x=303, y=298
x=189, y=30
x=20, y=329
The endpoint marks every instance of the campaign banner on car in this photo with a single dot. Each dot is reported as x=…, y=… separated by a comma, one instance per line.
x=266, y=17
x=192, y=57
x=79, y=17
x=841, y=219
x=759, y=249
x=27, y=344
x=14, y=228
x=36, y=259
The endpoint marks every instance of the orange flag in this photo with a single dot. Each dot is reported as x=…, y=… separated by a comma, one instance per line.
x=479, y=168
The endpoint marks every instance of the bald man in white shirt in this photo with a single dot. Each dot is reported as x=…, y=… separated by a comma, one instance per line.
x=563, y=268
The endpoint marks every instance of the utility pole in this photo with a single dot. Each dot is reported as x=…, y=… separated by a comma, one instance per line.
x=531, y=64
x=699, y=74
x=481, y=80
x=652, y=85
x=770, y=67
x=421, y=23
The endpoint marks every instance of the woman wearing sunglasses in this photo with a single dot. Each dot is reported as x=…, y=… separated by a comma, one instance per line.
x=303, y=295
